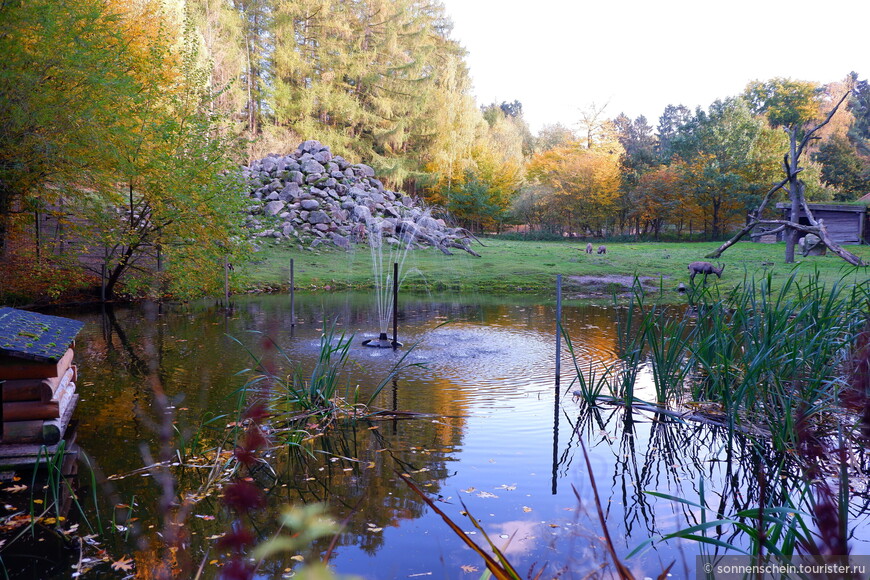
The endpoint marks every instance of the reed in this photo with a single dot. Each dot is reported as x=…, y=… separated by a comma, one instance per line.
x=590, y=384
x=630, y=342
x=668, y=339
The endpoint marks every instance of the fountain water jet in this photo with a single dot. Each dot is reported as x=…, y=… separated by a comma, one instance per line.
x=377, y=228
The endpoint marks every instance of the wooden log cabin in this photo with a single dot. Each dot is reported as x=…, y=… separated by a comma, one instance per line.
x=846, y=223
x=37, y=383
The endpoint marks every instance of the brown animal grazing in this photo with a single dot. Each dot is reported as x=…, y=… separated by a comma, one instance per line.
x=602, y=249
x=589, y=248
x=704, y=268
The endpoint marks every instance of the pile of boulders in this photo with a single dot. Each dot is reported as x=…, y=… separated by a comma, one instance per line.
x=313, y=197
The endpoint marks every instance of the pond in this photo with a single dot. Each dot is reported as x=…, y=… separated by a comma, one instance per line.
x=498, y=437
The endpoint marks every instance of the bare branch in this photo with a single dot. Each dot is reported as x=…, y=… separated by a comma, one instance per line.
x=827, y=120
x=769, y=232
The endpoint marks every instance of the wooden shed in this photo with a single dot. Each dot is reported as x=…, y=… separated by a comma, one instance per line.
x=846, y=223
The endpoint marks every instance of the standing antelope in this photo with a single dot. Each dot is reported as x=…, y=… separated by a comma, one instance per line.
x=704, y=268
x=589, y=248
x=602, y=249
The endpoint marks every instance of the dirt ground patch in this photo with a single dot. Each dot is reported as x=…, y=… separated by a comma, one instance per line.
x=609, y=283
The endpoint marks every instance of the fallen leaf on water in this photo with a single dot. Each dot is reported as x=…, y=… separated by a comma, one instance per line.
x=469, y=490
x=511, y=487
x=15, y=488
x=469, y=568
x=486, y=494
x=298, y=558
x=527, y=509
x=124, y=564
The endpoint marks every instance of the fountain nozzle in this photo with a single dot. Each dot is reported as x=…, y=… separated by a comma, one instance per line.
x=381, y=341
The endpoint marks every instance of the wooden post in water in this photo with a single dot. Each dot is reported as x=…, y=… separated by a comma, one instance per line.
x=395, y=305
x=555, y=475
x=292, y=297
x=558, y=330
x=226, y=282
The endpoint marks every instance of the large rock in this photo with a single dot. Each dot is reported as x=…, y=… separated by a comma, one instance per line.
x=312, y=166
x=318, y=217
x=274, y=207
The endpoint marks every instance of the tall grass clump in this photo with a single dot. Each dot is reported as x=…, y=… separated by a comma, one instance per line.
x=772, y=360
x=324, y=391
x=630, y=343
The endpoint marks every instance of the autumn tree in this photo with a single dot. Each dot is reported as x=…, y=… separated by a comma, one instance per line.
x=638, y=157
x=584, y=184
x=64, y=69
x=552, y=136
x=657, y=200
x=729, y=155
x=843, y=168
x=795, y=107
x=483, y=197
x=123, y=139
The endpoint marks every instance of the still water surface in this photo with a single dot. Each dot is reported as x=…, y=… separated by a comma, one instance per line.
x=503, y=437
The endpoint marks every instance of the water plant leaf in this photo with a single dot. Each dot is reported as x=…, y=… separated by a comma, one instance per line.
x=624, y=572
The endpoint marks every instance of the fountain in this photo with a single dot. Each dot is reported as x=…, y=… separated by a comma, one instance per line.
x=379, y=232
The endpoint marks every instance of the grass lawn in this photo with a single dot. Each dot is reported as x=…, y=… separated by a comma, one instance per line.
x=531, y=267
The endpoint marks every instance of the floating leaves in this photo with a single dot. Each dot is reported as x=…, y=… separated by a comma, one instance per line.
x=123, y=565
x=486, y=495
x=468, y=568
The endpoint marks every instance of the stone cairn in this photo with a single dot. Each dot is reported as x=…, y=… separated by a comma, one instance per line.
x=313, y=197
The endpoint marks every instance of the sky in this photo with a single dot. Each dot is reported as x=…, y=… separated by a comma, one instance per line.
x=560, y=57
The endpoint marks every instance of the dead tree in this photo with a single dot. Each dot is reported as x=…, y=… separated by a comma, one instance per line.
x=795, y=188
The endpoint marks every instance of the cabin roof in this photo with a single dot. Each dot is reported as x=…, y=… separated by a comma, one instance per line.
x=36, y=337
x=844, y=207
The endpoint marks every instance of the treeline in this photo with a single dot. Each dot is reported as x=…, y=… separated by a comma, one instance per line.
x=125, y=119
x=697, y=172
x=384, y=82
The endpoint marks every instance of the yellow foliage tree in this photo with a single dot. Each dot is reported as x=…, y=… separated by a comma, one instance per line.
x=584, y=184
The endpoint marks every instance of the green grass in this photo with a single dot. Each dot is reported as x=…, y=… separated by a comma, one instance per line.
x=508, y=267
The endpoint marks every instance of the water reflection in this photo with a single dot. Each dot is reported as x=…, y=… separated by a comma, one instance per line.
x=501, y=438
